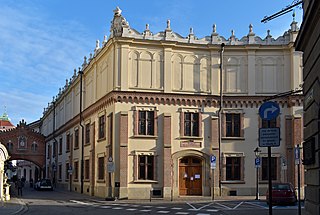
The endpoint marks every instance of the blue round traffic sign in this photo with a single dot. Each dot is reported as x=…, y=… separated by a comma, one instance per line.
x=269, y=110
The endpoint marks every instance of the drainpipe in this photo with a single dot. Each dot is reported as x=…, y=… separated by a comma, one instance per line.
x=82, y=134
x=219, y=113
x=54, y=143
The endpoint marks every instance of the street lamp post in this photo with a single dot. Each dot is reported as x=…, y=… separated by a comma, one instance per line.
x=257, y=163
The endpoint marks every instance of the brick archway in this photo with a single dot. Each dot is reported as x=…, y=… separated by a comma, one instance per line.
x=23, y=143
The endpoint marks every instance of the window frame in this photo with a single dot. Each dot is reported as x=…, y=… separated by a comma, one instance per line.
x=76, y=138
x=195, y=125
x=87, y=133
x=275, y=170
x=238, y=155
x=102, y=127
x=137, y=177
x=101, y=169
x=145, y=127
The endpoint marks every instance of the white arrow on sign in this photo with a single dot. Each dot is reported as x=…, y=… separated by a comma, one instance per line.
x=272, y=109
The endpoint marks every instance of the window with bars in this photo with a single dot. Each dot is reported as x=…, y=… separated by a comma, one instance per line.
x=233, y=125
x=102, y=127
x=146, y=167
x=146, y=123
x=76, y=138
x=233, y=168
x=101, y=168
x=87, y=135
x=274, y=168
x=86, y=169
x=191, y=124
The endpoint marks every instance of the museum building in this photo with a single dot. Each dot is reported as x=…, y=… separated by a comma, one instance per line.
x=144, y=115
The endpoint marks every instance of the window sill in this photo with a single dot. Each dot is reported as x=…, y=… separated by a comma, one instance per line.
x=86, y=180
x=101, y=181
x=75, y=180
x=233, y=138
x=76, y=148
x=190, y=138
x=101, y=139
x=87, y=144
x=145, y=136
x=145, y=181
x=233, y=182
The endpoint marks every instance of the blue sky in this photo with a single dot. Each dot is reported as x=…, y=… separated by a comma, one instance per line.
x=42, y=41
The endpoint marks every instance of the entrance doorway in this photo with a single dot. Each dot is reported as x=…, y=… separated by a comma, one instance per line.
x=190, y=176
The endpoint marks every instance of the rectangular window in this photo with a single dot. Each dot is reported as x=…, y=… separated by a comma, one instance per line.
x=68, y=143
x=274, y=168
x=54, y=146
x=101, y=168
x=60, y=146
x=233, y=125
x=191, y=124
x=102, y=127
x=67, y=171
x=86, y=169
x=76, y=170
x=146, y=123
x=76, y=139
x=146, y=167
x=49, y=151
x=87, y=133
x=233, y=168
x=60, y=171
x=269, y=123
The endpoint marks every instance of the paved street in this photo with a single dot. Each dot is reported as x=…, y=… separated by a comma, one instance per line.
x=62, y=202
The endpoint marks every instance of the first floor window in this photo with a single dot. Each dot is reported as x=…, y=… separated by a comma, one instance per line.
x=68, y=143
x=76, y=138
x=265, y=172
x=101, y=168
x=146, y=123
x=233, y=168
x=146, y=167
x=87, y=133
x=233, y=125
x=102, y=125
x=191, y=124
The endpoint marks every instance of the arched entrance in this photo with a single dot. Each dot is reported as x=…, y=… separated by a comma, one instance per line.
x=23, y=143
x=190, y=176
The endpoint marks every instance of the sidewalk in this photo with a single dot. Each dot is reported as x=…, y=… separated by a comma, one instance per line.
x=14, y=206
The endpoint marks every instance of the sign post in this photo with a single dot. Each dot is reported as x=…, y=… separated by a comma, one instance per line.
x=269, y=138
x=297, y=162
x=213, y=164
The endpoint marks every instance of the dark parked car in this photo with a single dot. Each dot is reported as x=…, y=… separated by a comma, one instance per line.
x=282, y=193
x=43, y=184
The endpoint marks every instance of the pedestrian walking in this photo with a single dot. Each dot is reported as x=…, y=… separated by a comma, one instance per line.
x=19, y=186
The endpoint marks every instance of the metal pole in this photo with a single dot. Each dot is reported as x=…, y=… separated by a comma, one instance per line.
x=219, y=112
x=257, y=183
x=212, y=184
x=298, y=166
x=270, y=180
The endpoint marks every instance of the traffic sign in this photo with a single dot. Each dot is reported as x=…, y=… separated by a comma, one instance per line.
x=257, y=162
x=269, y=137
x=110, y=167
x=269, y=110
x=213, y=161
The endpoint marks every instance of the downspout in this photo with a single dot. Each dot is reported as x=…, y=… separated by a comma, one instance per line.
x=55, y=142
x=82, y=134
x=219, y=113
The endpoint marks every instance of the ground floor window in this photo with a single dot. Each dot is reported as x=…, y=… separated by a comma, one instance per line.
x=101, y=168
x=145, y=167
x=86, y=169
x=233, y=168
x=274, y=168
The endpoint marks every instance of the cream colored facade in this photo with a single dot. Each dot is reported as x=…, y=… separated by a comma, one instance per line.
x=173, y=77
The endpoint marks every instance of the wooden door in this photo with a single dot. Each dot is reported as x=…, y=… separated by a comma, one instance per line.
x=190, y=176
